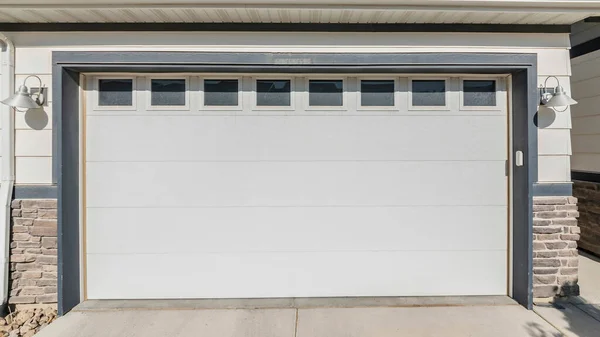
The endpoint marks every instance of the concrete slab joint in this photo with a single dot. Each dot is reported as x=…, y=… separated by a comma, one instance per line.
x=555, y=256
x=33, y=253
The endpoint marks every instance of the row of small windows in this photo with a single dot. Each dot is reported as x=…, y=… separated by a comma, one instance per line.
x=277, y=92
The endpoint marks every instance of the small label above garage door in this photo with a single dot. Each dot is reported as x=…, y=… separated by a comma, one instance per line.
x=218, y=186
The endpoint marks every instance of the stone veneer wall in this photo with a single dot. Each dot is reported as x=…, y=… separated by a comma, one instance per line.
x=33, y=253
x=588, y=194
x=555, y=256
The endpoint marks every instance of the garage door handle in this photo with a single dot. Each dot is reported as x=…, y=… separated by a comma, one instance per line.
x=519, y=158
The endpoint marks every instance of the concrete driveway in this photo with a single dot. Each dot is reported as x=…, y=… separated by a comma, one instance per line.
x=578, y=316
x=480, y=317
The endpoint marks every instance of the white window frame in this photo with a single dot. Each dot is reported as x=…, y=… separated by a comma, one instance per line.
x=237, y=107
x=149, y=105
x=256, y=107
x=96, y=94
x=445, y=107
x=359, y=105
x=479, y=107
x=345, y=95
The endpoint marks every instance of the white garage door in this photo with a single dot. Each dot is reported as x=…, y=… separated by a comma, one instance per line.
x=287, y=186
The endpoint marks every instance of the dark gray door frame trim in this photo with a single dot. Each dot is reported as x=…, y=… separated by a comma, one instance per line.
x=67, y=66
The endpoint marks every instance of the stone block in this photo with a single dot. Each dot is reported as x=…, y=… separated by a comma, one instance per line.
x=547, y=237
x=27, y=283
x=546, y=230
x=546, y=262
x=50, y=290
x=15, y=203
x=541, y=222
x=544, y=279
x=49, y=251
x=21, y=300
x=43, y=230
x=546, y=254
x=569, y=279
x=46, y=259
x=568, y=271
x=551, y=215
x=32, y=291
x=23, y=244
x=541, y=291
x=49, y=268
x=47, y=214
x=569, y=237
x=566, y=207
x=39, y=203
x=48, y=298
x=22, y=258
x=20, y=229
x=550, y=201
x=28, y=267
x=49, y=275
x=49, y=242
x=568, y=252
x=543, y=208
x=556, y=245
x=23, y=222
x=46, y=282
x=21, y=237
x=565, y=222
x=29, y=213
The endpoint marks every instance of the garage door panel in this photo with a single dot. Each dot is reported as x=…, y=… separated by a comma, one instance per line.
x=387, y=183
x=227, y=138
x=319, y=274
x=277, y=229
x=264, y=201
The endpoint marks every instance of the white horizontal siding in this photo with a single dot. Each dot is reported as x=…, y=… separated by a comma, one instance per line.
x=33, y=143
x=586, y=125
x=554, y=141
x=554, y=168
x=33, y=170
x=584, y=31
x=586, y=162
x=587, y=143
x=586, y=107
x=34, y=119
x=586, y=114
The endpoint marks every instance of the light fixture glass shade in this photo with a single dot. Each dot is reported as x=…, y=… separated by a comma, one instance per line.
x=560, y=98
x=21, y=99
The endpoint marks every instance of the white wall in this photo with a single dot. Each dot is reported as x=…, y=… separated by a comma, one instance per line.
x=33, y=56
x=586, y=114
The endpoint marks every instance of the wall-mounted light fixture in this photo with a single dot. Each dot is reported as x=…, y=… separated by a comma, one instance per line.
x=557, y=97
x=24, y=99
